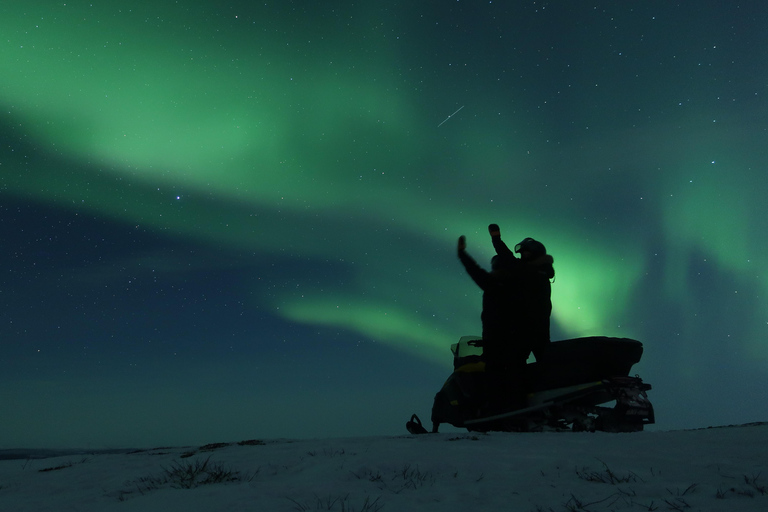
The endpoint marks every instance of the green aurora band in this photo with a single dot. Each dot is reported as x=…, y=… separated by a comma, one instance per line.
x=279, y=136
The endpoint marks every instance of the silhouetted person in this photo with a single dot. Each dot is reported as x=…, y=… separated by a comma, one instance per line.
x=498, y=306
x=515, y=316
x=504, y=361
x=530, y=277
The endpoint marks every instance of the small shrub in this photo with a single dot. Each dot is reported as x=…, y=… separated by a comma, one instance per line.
x=753, y=488
x=63, y=466
x=252, y=442
x=678, y=504
x=413, y=477
x=606, y=476
x=340, y=503
x=187, y=475
x=197, y=473
x=214, y=446
x=752, y=482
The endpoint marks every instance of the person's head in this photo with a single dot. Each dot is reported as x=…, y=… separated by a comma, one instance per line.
x=530, y=249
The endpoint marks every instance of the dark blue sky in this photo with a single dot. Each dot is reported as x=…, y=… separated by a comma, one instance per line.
x=227, y=220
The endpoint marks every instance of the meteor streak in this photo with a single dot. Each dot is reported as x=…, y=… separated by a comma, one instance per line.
x=450, y=116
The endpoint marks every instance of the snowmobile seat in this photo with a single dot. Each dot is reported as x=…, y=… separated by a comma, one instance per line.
x=582, y=360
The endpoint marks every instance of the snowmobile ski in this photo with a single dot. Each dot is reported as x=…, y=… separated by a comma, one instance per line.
x=584, y=390
x=415, y=427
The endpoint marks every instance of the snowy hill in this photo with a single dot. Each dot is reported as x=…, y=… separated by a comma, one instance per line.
x=711, y=469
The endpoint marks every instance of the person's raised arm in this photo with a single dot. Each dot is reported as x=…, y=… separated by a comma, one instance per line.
x=500, y=247
x=479, y=275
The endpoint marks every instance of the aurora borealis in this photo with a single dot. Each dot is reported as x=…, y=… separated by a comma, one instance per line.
x=231, y=219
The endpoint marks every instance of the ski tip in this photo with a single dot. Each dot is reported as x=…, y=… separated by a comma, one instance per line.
x=414, y=426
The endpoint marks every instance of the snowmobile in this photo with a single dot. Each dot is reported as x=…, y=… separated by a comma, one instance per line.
x=570, y=389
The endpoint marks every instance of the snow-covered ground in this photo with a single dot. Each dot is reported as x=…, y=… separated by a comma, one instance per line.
x=710, y=469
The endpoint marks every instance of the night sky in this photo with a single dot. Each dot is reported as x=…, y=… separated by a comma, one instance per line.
x=226, y=220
